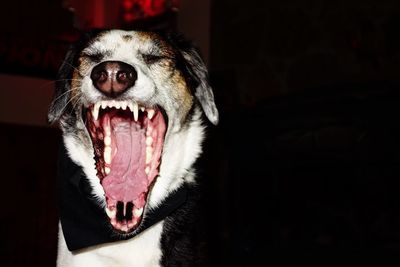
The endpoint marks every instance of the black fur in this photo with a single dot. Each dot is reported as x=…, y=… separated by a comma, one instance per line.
x=183, y=240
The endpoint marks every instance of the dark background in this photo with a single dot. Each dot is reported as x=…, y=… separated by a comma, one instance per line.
x=305, y=160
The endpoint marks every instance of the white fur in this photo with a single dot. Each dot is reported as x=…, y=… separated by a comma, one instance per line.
x=183, y=147
x=142, y=251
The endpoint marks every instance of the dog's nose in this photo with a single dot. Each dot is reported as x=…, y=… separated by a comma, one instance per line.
x=112, y=78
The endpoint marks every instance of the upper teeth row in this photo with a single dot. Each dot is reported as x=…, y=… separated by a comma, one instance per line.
x=133, y=107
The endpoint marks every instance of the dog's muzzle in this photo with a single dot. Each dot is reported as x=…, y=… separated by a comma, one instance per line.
x=112, y=78
x=127, y=139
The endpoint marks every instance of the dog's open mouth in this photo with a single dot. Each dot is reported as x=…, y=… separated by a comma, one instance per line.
x=127, y=140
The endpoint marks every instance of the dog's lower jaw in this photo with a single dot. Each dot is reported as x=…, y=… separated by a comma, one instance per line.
x=121, y=253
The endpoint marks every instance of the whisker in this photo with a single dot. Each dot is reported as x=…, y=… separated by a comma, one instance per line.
x=74, y=98
x=66, y=62
x=63, y=94
x=44, y=84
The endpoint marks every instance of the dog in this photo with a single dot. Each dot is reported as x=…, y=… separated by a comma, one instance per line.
x=131, y=107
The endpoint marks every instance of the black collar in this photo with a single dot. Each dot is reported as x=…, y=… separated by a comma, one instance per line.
x=83, y=222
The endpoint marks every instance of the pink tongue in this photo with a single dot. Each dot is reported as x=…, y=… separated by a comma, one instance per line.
x=127, y=180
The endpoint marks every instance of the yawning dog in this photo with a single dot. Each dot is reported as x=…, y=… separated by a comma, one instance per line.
x=130, y=106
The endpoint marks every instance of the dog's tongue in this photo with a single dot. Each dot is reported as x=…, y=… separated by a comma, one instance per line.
x=127, y=180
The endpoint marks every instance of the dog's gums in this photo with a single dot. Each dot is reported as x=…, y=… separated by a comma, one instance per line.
x=127, y=141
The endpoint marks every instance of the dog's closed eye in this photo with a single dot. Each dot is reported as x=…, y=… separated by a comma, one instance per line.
x=152, y=58
x=95, y=57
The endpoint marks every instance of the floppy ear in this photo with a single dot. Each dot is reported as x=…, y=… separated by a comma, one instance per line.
x=195, y=68
x=62, y=88
x=203, y=91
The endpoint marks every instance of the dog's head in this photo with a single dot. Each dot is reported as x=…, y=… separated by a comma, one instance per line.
x=129, y=104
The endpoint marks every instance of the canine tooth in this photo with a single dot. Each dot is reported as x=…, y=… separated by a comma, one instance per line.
x=138, y=212
x=107, y=140
x=147, y=170
x=135, y=111
x=107, y=170
x=107, y=154
x=95, y=111
x=130, y=106
x=110, y=213
x=149, y=140
x=150, y=113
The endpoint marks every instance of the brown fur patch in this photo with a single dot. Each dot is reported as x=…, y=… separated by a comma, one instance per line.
x=127, y=37
x=181, y=92
x=146, y=36
x=84, y=64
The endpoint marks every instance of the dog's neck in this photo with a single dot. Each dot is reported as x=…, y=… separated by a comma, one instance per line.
x=84, y=222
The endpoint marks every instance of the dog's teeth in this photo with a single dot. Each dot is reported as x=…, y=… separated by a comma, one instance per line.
x=107, y=131
x=123, y=105
x=135, y=111
x=104, y=104
x=130, y=106
x=110, y=213
x=138, y=212
x=95, y=111
x=107, y=170
x=107, y=155
x=147, y=170
x=150, y=113
x=117, y=105
x=149, y=130
x=107, y=140
x=149, y=154
x=149, y=140
x=142, y=109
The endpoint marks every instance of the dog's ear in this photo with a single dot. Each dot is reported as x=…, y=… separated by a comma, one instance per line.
x=62, y=88
x=198, y=76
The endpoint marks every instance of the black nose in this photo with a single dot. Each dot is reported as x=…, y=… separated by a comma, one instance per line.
x=112, y=78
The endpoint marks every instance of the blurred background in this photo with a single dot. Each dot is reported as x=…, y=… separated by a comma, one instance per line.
x=305, y=159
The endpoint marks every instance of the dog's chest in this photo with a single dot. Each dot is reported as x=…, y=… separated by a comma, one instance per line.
x=142, y=251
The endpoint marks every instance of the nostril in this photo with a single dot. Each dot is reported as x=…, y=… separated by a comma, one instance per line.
x=126, y=76
x=121, y=76
x=100, y=76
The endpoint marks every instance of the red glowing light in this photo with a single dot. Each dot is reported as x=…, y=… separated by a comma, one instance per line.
x=141, y=9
